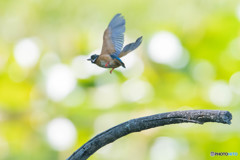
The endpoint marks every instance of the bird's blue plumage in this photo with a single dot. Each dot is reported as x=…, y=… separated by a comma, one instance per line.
x=117, y=28
x=116, y=57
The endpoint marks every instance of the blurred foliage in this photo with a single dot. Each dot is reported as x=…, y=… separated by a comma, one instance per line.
x=208, y=32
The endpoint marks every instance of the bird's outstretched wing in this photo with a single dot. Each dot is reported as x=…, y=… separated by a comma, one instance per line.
x=113, y=37
x=130, y=47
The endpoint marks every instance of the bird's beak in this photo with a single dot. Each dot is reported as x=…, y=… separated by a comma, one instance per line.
x=89, y=59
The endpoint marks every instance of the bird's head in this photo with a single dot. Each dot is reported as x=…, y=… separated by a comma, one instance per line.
x=93, y=58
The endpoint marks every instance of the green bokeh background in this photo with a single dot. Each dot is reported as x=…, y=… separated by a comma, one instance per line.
x=206, y=29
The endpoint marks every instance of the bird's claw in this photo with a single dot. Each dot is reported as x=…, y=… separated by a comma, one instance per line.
x=111, y=70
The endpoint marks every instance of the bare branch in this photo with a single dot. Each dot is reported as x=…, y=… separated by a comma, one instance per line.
x=143, y=123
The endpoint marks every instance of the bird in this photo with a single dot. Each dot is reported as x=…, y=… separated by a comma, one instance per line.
x=112, y=47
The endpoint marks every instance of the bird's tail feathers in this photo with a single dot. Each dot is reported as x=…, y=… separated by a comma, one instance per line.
x=130, y=47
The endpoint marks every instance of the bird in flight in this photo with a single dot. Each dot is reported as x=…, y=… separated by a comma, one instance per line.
x=113, y=39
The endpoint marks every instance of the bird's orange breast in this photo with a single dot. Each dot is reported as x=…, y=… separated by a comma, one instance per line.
x=104, y=59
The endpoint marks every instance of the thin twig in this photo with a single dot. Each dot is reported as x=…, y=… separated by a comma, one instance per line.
x=143, y=123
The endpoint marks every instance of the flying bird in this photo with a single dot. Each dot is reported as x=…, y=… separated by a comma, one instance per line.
x=112, y=48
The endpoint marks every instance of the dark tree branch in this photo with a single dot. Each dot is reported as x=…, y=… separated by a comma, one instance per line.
x=139, y=124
